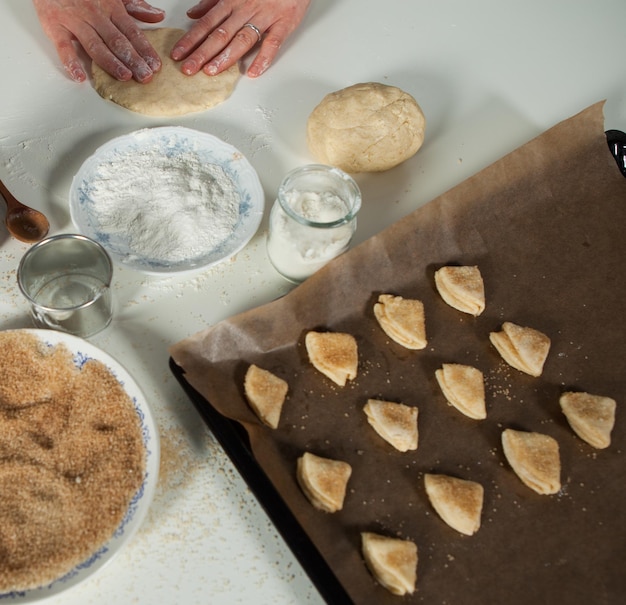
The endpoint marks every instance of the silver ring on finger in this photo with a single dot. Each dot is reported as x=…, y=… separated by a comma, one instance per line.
x=255, y=29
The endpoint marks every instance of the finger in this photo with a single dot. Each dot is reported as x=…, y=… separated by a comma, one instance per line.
x=266, y=55
x=206, y=29
x=275, y=36
x=69, y=57
x=100, y=52
x=217, y=41
x=140, y=43
x=203, y=7
x=143, y=11
x=102, y=56
x=243, y=41
x=124, y=51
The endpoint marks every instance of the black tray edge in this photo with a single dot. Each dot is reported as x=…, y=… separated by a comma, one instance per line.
x=234, y=440
x=617, y=144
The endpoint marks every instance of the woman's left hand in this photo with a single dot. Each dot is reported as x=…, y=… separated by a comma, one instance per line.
x=226, y=30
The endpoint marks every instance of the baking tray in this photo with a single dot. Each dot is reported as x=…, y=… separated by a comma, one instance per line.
x=234, y=439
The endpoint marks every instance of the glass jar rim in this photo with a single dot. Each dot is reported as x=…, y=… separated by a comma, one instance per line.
x=339, y=175
x=42, y=247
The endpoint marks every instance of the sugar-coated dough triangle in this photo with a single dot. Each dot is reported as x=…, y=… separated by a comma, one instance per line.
x=392, y=561
x=457, y=501
x=323, y=481
x=334, y=354
x=463, y=387
x=525, y=349
x=396, y=423
x=402, y=319
x=462, y=288
x=535, y=459
x=592, y=417
x=266, y=394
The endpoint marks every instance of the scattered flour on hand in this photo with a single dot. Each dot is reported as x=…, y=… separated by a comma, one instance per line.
x=166, y=209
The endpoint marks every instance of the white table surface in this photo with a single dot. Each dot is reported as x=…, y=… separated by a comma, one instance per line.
x=489, y=75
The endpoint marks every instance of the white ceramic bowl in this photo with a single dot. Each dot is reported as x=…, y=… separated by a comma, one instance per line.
x=174, y=141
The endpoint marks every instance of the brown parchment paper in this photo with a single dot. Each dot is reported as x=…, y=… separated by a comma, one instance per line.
x=545, y=225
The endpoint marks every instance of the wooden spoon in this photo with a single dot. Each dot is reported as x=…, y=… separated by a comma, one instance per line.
x=24, y=223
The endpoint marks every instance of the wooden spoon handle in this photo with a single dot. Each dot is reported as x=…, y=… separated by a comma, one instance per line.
x=8, y=196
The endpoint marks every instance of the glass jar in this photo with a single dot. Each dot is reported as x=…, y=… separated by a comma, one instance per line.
x=312, y=220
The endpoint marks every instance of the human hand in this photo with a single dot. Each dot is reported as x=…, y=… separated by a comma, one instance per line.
x=107, y=31
x=227, y=29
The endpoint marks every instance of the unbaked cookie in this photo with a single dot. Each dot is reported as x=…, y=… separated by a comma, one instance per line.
x=393, y=562
x=265, y=392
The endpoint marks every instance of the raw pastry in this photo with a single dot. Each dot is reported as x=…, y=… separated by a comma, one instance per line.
x=535, y=459
x=366, y=127
x=393, y=562
x=464, y=388
x=402, y=319
x=323, y=481
x=523, y=348
x=457, y=501
x=170, y=92
x=462, y=288
x=334, y=354
x=396, y=423
x=266, y=394
x=592, y=417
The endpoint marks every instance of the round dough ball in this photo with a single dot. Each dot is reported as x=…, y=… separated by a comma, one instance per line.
x=170, y=92
x=366, y=127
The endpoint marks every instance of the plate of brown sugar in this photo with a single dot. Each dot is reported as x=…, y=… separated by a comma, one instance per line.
x=79, y=462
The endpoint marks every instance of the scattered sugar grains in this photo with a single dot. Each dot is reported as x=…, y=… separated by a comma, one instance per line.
x=71, y=458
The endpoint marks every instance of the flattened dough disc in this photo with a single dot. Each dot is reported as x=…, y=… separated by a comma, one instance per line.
x=170, y=93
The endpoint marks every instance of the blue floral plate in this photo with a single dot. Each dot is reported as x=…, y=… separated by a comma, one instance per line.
x=172, y=149
x=138, y=508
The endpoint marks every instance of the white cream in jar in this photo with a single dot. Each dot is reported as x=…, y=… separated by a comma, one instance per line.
x=312, y=221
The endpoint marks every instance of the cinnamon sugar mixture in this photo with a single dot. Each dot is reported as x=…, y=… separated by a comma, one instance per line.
x=71, y=459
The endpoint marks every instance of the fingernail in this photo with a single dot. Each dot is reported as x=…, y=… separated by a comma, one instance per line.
x=257, y=69
x=76, y=72
x=190, y=67
x=148, y=10
x=153, y=64
x=211, y=69
x=178, y=53
x=144, y=75
x=123, y=74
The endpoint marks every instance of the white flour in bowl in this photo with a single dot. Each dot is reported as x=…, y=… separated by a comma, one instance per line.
x=167, y=209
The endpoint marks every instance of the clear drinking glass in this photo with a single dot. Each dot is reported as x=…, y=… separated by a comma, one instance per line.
x=67, y=281
x=312, y=220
